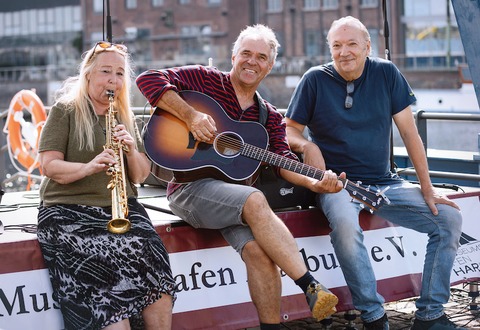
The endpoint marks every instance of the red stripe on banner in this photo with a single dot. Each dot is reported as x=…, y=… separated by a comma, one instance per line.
x=21, y=256
x=180, y=236
x=465, y=195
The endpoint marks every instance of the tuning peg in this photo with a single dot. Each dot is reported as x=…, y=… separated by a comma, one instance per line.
x=381, y=192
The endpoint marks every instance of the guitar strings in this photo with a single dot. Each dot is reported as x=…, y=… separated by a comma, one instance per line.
x=227, y=141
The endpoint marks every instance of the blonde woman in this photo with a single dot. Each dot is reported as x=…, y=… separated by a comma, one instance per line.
x=101, y=280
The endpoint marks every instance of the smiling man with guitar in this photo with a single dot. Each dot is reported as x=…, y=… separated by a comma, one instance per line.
x=202, y=151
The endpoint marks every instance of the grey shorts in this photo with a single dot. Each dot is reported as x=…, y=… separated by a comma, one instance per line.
x=214, y=204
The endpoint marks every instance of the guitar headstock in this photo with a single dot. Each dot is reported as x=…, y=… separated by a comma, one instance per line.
x=371, y=199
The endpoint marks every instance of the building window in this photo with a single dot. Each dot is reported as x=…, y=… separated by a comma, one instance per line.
x=196, y=40
x=36, y=21
x=369, y=3
x=130, y=4
x=42, y=21
x=9, y=25
x=214, y=2
x=330, y=4
x=374, y=35
x=95, y=36
x=98, y=6
x=311, y=4
x=274, y=6
x=326, y=49
x=312, y=43
x=157, y=3
x=429, y=35
x=184, y=2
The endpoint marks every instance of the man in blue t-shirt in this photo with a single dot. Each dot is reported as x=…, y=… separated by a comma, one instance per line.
x=348, y=106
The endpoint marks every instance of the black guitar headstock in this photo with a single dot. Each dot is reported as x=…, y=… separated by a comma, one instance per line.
x=371, y=199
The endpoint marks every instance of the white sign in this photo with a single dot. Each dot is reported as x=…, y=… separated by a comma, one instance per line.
x=216, y=277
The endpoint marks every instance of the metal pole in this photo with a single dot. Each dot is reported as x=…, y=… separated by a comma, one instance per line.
x=448, y=37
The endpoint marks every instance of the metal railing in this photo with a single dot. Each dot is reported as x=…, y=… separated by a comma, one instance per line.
x=421, y=118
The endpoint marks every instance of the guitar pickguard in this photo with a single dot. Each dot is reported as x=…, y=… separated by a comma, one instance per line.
x=206, y=152
x=191, y=141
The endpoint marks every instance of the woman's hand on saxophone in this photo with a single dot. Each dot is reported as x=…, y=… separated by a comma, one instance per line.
x=123, y=136
x=138, y=164
x=103, y=161
x=56, y=168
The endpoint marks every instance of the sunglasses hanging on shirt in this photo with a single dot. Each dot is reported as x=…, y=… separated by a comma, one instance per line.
x=349, y=98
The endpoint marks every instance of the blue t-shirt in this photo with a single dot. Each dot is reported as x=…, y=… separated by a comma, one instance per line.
x=356, y=140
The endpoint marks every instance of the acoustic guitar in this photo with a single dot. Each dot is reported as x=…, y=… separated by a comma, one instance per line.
x=234, y=155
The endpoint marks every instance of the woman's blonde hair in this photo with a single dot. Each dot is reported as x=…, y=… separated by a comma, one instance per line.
x=74, y=93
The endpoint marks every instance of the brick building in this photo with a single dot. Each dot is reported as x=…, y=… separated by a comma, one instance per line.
x=172, y=32
x=41, y=41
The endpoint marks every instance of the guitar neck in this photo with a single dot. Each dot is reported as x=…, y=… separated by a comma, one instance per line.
x=272, y=158
x=370, y=199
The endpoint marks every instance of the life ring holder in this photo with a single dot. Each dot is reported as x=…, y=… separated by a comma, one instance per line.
x=23, y=136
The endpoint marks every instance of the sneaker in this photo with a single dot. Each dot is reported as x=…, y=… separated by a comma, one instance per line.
x=321, y=301
x=442, y=323
x=380, y=324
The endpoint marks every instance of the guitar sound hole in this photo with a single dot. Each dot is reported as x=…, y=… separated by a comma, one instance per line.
x=228, y=144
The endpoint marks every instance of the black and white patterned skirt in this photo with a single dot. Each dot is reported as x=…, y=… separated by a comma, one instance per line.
x=100, y=278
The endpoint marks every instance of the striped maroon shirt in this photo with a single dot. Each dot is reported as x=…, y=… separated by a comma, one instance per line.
x=216, y=84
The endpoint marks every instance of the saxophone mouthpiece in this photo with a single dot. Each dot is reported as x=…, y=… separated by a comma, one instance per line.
x=110, y=93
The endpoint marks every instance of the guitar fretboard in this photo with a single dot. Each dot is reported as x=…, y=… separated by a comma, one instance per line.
x=280, y=161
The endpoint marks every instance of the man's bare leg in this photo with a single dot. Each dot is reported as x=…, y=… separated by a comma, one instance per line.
x=264, y=283
x=273, y=236
x=159, y=314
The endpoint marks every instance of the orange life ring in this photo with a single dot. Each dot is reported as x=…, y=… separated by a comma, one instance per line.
x=23, y=136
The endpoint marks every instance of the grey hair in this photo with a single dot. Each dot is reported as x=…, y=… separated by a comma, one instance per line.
x=349, y=21
x=262, y=31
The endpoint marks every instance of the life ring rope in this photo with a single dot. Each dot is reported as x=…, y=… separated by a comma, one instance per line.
x=23, y=135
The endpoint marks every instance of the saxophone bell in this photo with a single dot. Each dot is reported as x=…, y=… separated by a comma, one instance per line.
x=119, y=226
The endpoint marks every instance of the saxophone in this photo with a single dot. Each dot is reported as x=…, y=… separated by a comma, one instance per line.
x=119, y=224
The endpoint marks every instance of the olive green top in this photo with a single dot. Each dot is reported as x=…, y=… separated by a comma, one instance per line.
x=58, y=134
